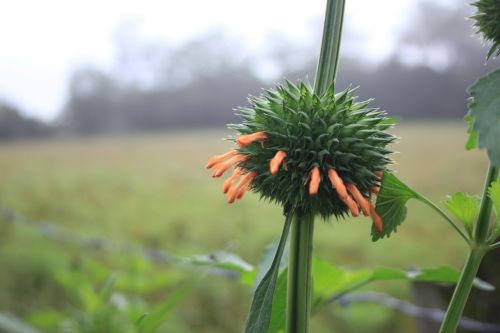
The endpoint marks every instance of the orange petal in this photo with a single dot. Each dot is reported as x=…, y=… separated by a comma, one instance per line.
x=221, y=167
x=375, y=190
x=219, y=158
x=314, y=182
x=228, y=182
x=275, y=163
x=362, y=202
x=242, y=192
x=245, y=180
x=245, y=140
x=337, y=184
x=352, y=205
x=377, y=220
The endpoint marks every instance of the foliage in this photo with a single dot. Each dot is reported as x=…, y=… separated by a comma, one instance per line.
x=465, y=208
x=259, y=316
x=483, y=114
x=391, y=204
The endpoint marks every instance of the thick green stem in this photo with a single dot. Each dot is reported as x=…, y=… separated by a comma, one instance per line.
x=462, y=290
x=299, y=267
x=478, y=249
x=299, y=275
x=330, y=46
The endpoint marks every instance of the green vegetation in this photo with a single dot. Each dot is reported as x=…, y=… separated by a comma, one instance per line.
x=153, y=191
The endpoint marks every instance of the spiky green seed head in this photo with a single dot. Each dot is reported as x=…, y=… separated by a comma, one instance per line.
x=331, y=131
x=487, y=22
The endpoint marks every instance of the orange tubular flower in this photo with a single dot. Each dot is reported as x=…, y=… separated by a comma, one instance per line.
x=245, y=140
x=337, y=184
x=221, y=167
x=228, y=182
x=276, y=161
x=362, y=201
x=242, y=185
x=377, y=220
x=351, y=204
x=219, y=158
x=314, y=182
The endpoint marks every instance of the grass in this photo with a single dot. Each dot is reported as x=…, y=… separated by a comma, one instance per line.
x=153, y=190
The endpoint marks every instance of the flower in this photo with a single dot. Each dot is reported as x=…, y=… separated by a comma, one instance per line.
x=312, y=154
x=487, y=23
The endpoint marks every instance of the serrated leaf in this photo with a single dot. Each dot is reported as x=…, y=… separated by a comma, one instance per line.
x=260, y=312
x=472, y=140
x=391, y=204
x=484, y=108
x=465, y=208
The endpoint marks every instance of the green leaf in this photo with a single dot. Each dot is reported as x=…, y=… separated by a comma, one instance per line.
x=465, y=208
x=472, y=140
x=259, y=316
x=391, y=204
x=266, y=260
x=484, y=108
x=224, y=260
x=151, y=322
x=278, y=315
x=446, y=274
x=494, y=194
x=332, y=282
x=107, y=289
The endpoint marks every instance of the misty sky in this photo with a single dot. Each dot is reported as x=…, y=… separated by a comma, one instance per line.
x=43, y=41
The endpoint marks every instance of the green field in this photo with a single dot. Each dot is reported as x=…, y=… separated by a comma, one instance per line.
x=153, y=190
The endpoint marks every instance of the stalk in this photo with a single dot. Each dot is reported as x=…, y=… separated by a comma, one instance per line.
x=299, y=275
x=478, y=249
x=462, y=291
x=299, y=267
x=330, y=46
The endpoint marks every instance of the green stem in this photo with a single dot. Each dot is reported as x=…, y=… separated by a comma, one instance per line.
x=479, y=247
x=446, y=217
x=330, y=46
x=299, y=275
x=299, y=268
x=462, y=290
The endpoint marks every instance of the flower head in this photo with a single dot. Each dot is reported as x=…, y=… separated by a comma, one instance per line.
x=487, y=23
x=312, y=154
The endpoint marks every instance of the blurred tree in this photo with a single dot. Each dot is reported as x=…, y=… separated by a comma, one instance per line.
x=14, y=125
x=155, y=86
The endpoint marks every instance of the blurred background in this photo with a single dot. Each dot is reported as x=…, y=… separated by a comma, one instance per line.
x=108, y=111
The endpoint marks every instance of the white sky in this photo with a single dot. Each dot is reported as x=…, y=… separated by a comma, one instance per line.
x=41, y=42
